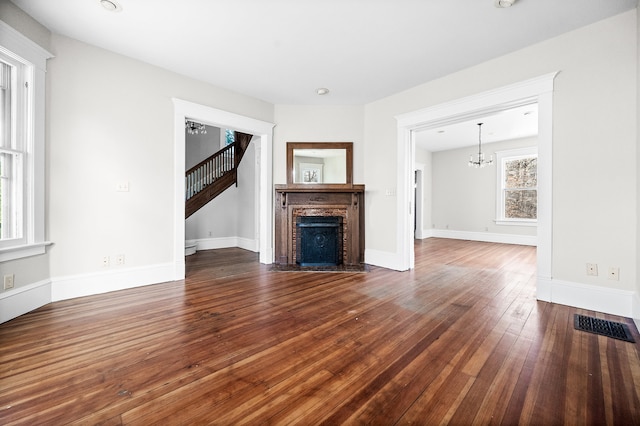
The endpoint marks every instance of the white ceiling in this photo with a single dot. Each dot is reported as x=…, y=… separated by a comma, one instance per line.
x=515, y=123
x=281, y=51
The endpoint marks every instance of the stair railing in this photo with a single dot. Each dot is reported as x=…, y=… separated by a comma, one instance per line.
x=209, y=170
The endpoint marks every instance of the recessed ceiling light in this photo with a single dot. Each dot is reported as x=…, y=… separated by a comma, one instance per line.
x=110, y=5
x=503, y=3
x=322, y=91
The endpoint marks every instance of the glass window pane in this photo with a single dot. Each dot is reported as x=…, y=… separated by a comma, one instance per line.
x=5, y=105
x=230, y=136
x=10, y=167
x=521, y=173
x=521, y=204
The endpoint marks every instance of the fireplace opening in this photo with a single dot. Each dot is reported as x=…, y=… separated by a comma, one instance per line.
x=319, y=240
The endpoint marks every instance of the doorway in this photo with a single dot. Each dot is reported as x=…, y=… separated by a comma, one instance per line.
x=419, y=196
x=263, y=134
x=538, y=90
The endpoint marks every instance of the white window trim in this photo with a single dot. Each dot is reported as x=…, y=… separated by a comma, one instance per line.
x=501, y=157
x=14, y=44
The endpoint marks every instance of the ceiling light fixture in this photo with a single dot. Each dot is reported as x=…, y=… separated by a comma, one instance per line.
x=194, y=128
x=110, y=5
x=503, y=3
x=322, y=91
x=481, y=161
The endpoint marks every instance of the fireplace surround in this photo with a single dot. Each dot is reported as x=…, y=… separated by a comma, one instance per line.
x=294, y=202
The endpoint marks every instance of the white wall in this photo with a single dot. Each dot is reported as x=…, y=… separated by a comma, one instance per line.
x=306, y=123
x=423, y=160
x=464, y=198
x=32, y=269
x=25, y=24
x=201, y=146
x=594, y=131
x=111, y=120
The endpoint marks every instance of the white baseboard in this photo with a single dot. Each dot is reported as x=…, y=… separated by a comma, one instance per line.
x=489, y=237
x=21, y=300
x=544, y=289
x=266, y=256
x=226, y=242
x=425, y=233
x=383, y=259
x=63, y=288
x=593, y=298
x=635, y=309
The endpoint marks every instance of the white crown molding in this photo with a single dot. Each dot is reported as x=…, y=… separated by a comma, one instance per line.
x=12, y=40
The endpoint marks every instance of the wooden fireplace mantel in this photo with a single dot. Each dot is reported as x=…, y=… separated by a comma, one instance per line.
x=346, y=201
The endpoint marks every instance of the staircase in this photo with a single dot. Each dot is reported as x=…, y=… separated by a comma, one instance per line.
x=212, y=176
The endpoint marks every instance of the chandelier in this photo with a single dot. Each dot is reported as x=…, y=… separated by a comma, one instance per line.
x=481, y=161
x=194, y=128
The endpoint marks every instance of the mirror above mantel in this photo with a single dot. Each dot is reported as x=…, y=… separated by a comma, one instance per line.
x=319, y=163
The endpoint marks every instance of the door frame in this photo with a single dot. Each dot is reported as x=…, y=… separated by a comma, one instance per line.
x=536, y=90
x=263, y=139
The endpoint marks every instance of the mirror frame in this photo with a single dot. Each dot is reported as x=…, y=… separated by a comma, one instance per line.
x=347, y=146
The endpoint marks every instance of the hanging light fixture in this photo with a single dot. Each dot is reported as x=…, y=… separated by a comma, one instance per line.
x=194, y=128
x=481, y=161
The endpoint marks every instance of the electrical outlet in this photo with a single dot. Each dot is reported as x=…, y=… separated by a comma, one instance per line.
x=8, y=281
x=120, y=259
x=592, y=269
x=105, y=261
x=122, y=187
x=614, y=273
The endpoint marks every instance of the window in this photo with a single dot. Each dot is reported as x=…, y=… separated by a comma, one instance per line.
x=229, y=136
x=12, y=152
x=22, y=81
x=517, y=197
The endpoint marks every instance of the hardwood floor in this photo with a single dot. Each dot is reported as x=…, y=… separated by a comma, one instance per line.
x=459, y=340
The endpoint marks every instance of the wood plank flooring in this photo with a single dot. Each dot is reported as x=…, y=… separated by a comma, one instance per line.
x=458, y=340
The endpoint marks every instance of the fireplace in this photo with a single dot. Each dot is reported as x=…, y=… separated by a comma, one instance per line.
x=336, y=210
x=319, y=240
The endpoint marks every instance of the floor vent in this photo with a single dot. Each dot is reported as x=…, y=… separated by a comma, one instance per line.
x=616, y=330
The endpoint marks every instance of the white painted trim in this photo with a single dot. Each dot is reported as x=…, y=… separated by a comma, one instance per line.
x=69, y=287
x=501, y=158
x=17, y=43
x=384, y=259
x=425, y=233
x=226, y=242
x=418, y=200
x=264, y=142
x=593, y=298
x=34, y=57
x=543, y=289
x=488, y=237
x=21, y=300
x=18, y=252
x=540, y=90
x=635, y=309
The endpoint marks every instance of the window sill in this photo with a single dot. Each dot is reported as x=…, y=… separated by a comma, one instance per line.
x=516, y=222
x=26, y=250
